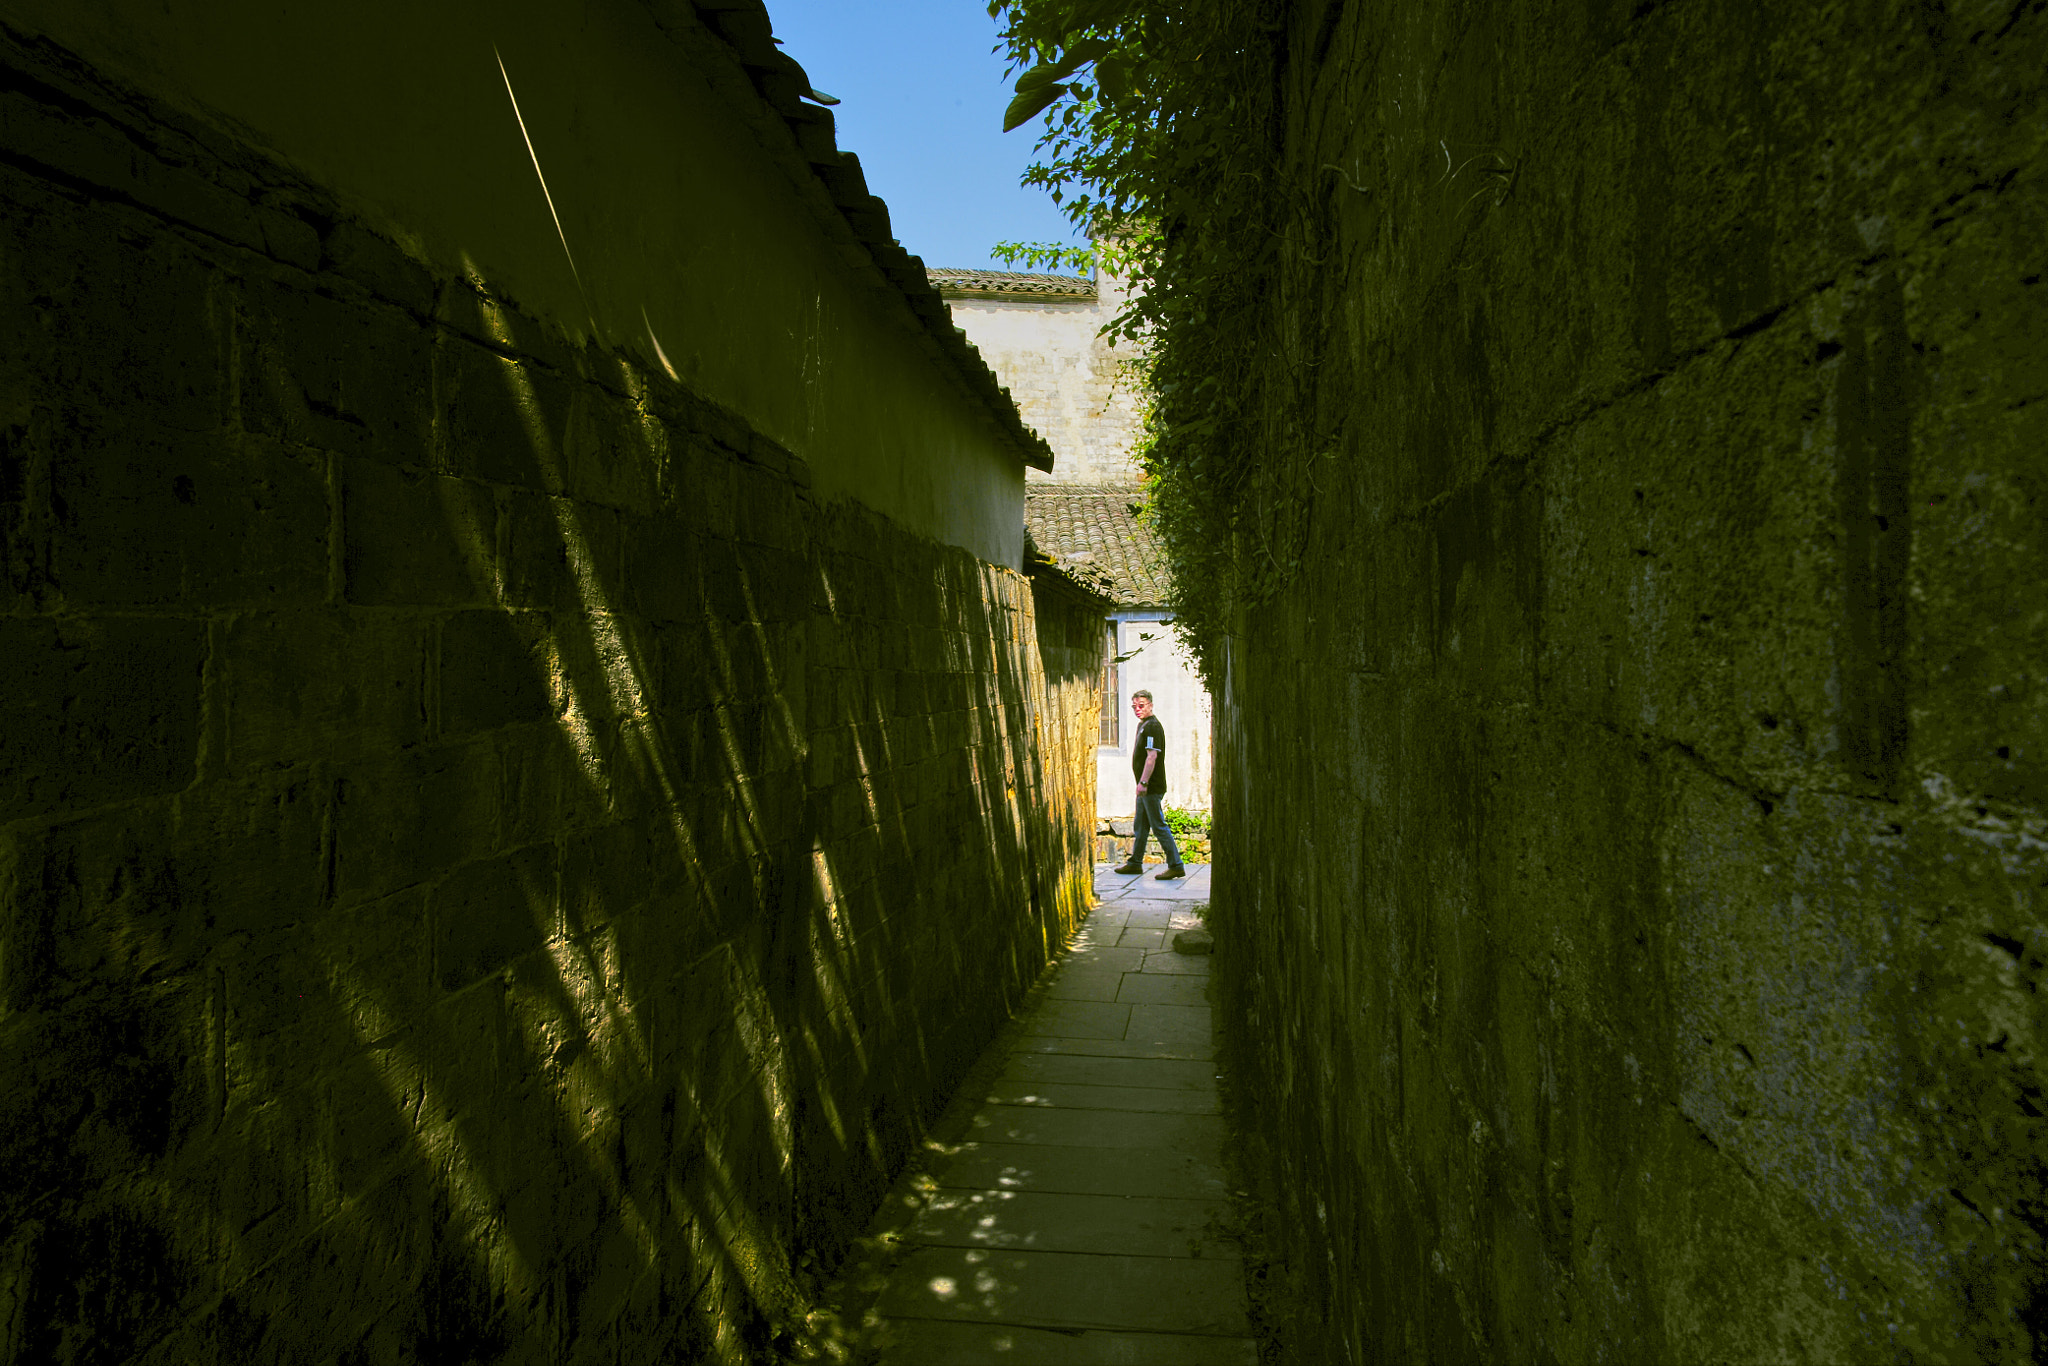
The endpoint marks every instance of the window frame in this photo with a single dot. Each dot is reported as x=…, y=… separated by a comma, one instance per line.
x=1111, y=732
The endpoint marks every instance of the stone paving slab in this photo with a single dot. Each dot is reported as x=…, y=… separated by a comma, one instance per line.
x=1160, y=989
x=1179, y=964
x=929, y=1342
x=1072, y=1096
x=1198, y=1135
x=1111, y=886
x=1087, y=982
x=1149, y=905
x=1123, y=960
x=1080, y=1170
x=1081, y=1020
x=1117, y=1048
x=1039, y=1222
x=1070, y=1290
x=1083, y=1215
x=1103, y=924
x=1170, y=1026
x=1089, y=1071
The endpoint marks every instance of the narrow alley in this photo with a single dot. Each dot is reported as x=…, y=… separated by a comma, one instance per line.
x=567, y=690
x=1072, y=1205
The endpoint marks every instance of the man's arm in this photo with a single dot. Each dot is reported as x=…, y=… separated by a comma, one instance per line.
x=1151, y=761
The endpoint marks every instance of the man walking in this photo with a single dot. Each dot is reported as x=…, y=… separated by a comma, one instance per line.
x=1148, y=764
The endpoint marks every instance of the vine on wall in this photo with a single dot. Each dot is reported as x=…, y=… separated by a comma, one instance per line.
x=1162, y=141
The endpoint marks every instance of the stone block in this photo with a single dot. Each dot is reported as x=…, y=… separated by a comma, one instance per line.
x=135, y=321
x=543, y=788
x=149, y=515
x=101, y=710
x=489, y=913
x=702, y=487
x=403, y=818
x=726, y=593
x=495, y=669
x=618, y=454
x=766, y=509
x=378, y=265
x=778, y=583
x=686, y=663
x=94, y=148
x=561, y=554
x=347, y=376
x=416, y=540
x=247, y=855
x=662, y=576
x=319, y=683
x=499, y=419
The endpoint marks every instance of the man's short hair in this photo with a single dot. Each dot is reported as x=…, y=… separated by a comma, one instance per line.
x=1145, y=693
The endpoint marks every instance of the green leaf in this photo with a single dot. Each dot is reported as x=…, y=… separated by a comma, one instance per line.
x=1112, y=73
x=1038, y=77
x=1029, y=105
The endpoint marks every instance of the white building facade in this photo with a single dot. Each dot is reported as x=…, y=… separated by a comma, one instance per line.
x=1041, y=334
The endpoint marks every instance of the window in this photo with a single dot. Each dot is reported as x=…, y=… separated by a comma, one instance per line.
x=1112, y=706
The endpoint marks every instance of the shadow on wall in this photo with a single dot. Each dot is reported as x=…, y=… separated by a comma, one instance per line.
x=490, y=866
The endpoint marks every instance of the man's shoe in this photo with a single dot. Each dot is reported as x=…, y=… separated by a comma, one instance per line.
x=1173, y=870
x=1128, y=868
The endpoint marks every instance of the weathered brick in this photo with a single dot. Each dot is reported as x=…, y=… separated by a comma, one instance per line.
x=542, y=786
x=705, y=488
x=146, y=339
x=610, y=871
x=101, y=710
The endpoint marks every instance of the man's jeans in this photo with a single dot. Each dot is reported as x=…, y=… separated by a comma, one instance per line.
x=1150, y=817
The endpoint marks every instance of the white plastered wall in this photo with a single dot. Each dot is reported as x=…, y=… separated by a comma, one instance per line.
x=1068, y=382
x=1161, y=666
x=693, y=250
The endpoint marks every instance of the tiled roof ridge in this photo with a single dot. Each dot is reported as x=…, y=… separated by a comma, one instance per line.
x=744, y=27
x=956, y=281
x=1055, y=486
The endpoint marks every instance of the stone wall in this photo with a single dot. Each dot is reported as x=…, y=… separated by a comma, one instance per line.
x=1635, y=931
x=491, y=865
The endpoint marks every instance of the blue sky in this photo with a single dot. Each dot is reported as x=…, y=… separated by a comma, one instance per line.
x=923, y=100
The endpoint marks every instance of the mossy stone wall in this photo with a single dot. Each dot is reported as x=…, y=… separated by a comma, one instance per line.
x=492, y=866
x=1634, y=935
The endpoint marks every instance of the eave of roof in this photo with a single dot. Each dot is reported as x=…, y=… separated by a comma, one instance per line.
x=808, y=138
x=1094, y=530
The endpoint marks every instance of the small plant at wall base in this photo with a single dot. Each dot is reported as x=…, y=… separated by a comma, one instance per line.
x=1184, y=822
x=1160, y=138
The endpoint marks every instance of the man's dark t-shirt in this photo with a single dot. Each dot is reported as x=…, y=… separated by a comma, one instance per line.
x=1151, y=739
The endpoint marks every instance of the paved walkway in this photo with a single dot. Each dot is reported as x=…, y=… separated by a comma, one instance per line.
x=1081, y=1219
